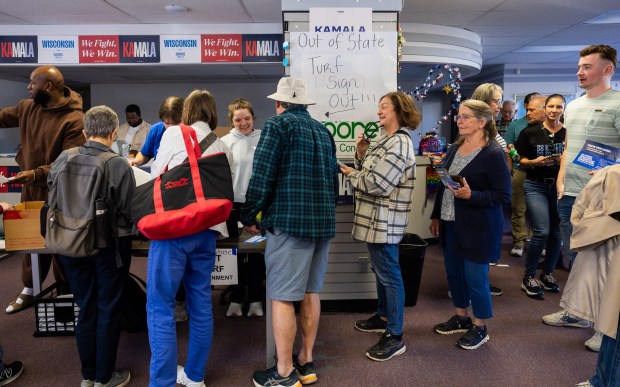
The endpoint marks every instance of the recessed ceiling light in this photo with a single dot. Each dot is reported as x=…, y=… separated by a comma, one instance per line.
x=611, y=17
x=176, y=8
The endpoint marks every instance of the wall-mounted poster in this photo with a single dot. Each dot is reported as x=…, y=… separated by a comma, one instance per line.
x=18, y=49
x=180, y=48
x=99, y=49
x=58, y=49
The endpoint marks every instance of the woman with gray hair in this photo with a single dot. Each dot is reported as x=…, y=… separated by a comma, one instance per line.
x=469, y=220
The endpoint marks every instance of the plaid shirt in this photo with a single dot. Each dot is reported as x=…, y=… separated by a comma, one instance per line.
x=294, y=178
x=383, y=184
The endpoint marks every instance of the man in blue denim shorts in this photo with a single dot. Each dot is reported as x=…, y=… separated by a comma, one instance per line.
x=294, y=184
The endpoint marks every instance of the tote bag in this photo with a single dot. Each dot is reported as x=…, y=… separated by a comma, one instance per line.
x=187, y=199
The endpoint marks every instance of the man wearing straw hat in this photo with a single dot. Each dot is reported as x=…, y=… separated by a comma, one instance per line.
x=294, y=184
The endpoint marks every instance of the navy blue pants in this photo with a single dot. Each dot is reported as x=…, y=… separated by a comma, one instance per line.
x=97, y=286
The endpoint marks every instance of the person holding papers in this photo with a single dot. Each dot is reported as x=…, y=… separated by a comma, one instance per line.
x=594, y=116
x=469, y=221
x=540, y=147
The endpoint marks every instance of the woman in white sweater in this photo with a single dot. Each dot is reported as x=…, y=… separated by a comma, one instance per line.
x=242, y=141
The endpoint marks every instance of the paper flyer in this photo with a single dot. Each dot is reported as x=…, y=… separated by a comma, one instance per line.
x=256, y=239
x=595, y=155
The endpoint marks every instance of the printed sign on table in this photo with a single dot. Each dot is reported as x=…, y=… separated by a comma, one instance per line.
x=139, y=48
x=595, y=155
x=58, y=49
x=225, y=269
x=263, y=48
x=99, y=49
x=180, y=48
x=18, y=49
x=221, y=48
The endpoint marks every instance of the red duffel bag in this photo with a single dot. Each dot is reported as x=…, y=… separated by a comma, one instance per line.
x=186, y=199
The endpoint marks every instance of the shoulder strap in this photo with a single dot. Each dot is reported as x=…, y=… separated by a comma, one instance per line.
x=207, y=141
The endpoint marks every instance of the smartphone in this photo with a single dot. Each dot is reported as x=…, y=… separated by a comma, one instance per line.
x=449, y=180
x=457, y=179
x=556, y=155
x=340, y=163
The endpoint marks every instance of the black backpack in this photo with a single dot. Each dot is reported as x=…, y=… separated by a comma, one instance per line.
x=133, y=305
x=78, y=222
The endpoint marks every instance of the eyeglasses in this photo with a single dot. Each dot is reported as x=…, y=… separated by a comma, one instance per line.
x=463, y=117
x=497, y=101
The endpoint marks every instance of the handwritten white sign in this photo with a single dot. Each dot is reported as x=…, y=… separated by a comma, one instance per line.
x=346, y=74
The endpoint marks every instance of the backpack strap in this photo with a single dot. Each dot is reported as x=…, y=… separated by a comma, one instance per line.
x=107, y=156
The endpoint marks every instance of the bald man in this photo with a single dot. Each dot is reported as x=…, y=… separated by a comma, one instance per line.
x=49, y=122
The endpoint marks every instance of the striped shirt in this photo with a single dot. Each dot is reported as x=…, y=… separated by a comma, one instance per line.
x=383, y=184
x=294, y=178
x=596, y=119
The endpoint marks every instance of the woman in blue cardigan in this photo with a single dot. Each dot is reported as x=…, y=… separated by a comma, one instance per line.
x=469, y=220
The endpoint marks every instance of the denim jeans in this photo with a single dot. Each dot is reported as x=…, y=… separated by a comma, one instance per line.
x=608, y=365
x=467, y=280
x=190, y=259
x=541, y=201
x=2, y=366
x=565, y=207
x=390, y=289
x=97, y=286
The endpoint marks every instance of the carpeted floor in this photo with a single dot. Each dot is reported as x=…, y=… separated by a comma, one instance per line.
x=521, y=352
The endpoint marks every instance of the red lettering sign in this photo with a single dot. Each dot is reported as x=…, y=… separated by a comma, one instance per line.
x=221, y=48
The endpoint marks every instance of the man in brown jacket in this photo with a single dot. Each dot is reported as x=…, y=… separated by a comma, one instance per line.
x=49, y=122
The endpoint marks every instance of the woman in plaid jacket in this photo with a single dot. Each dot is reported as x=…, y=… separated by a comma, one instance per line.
x=383, y=181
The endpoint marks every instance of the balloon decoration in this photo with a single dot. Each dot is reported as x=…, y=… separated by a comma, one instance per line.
x=450, y=76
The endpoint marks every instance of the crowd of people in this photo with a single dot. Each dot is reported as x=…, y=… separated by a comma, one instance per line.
x=530, y=168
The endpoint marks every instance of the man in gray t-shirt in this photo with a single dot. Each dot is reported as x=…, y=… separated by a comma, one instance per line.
x=594, y=116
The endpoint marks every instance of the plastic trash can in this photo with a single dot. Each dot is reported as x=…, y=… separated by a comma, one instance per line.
x=411, y=251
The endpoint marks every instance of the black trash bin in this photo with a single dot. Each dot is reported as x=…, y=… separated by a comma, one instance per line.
x=411, y=250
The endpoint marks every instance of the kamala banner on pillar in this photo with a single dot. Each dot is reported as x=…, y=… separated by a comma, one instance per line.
x=346, y=73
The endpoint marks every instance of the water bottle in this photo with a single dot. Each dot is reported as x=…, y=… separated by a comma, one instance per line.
x=514, y=155
x=103, y=233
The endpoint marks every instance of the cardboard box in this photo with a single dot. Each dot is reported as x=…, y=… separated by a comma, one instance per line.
x=22, y=227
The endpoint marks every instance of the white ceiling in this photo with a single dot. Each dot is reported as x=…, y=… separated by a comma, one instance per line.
x=506, y=26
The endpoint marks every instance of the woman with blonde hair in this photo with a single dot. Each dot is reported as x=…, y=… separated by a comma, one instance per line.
x=242, y=141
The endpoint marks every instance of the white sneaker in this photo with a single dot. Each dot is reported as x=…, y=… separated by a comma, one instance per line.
x=234, y=310
x=516, y=251
x=594, y=342
x=184, y=380
x=256, y=310
x=119, y=379
x=565, y=319
x=584, y=384
x=180, y=311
